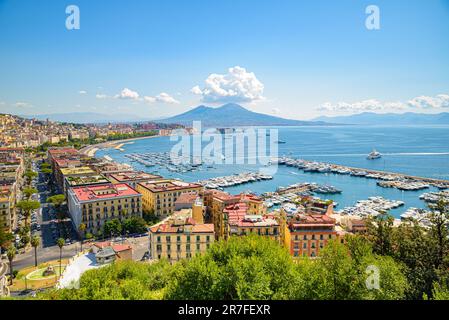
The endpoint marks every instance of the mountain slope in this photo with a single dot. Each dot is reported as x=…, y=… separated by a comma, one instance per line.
x=371, y=118
x=231, y=115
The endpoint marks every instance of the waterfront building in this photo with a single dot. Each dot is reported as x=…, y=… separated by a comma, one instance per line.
x=96, y=204
x=132, y=177
x=160, y=196
x=216, y=201
x=308, y=234
x=181, y=237
x=242, y=221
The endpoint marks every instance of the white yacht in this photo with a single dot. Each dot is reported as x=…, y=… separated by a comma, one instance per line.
x=374, y=155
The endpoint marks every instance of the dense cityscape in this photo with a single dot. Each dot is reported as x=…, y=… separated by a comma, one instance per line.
x=66, y=214
x=224, y=159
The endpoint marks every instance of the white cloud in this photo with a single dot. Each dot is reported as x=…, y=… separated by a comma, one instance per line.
x=162, y=98
x=100, y=96
x=82, y=92
x=425, y=102
x=237, y=85
x=127, y=94
x=421, y=102
x=22, y=104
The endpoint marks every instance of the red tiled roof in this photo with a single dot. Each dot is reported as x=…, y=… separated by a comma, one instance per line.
x=103, y=192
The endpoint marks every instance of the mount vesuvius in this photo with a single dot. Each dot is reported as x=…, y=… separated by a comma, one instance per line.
x=233, y=115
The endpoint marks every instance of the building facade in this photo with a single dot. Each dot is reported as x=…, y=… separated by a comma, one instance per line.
x=308, y=234
x=160, y=196
x=180, y=238
x=94, y=205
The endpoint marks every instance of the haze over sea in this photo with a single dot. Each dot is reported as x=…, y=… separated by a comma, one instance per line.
x=415, y=150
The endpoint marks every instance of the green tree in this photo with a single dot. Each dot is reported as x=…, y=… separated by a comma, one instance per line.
x=342, y=271
x=46, y=171
x=27, y=206
x=57, y=200
x=30, y=175
x=28, y=192
x=60, y=242
x=112, y=227
x=11, y=254
x=121, y=280
x=82, y=229
x=134, y=225
x=248, y=267
x=439, y=231
x=380, y=231
x=415, y=248
x=35, y=242
x=5, y=238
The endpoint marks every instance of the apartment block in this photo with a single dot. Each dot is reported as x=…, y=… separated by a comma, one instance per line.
x=180, y=238
x=160, y=196
x=96, y=204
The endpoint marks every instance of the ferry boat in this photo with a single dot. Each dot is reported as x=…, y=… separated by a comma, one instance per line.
x=374, y=155
x=280, y=141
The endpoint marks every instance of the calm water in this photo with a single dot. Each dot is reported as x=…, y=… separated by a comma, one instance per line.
x=420, y=151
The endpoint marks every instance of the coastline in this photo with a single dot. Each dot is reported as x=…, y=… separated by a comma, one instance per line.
x=92, y=149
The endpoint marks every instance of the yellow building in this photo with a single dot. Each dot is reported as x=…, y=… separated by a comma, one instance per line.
x=7, y=212
x=216, y=201
x=180, y=238
x=160, y=196
x=96, y=204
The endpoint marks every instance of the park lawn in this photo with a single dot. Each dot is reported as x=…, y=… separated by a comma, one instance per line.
x=21, y=284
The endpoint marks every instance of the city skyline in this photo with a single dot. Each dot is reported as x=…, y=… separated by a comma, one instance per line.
x=298, y=60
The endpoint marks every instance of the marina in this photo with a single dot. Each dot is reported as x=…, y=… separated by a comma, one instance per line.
x=387, y=179
x=371, y=207
x=328, y=150
x=233, y=180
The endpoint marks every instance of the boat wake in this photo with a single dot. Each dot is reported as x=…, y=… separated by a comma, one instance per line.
x=385, y=154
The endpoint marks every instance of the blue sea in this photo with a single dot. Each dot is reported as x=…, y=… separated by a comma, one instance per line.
x=418, y=150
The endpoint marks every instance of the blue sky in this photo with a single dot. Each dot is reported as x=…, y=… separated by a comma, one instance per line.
x=296, y=59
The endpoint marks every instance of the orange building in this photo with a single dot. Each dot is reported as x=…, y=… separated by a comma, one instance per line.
x=310, y=233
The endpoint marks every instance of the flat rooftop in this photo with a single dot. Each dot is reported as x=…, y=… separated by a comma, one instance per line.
x=133, y=176
x=85, y=180
x=103, y=192
x=168, y=185
x=238, y=216
x=77, y=170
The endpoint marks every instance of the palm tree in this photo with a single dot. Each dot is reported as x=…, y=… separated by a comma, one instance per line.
x=60, y=242
x=11, y=253
x=82, y=229
x=35, y=242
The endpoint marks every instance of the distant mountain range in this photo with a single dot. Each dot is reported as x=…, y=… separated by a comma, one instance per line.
x=371, y=118
x=87, y=117
x=233, y=115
